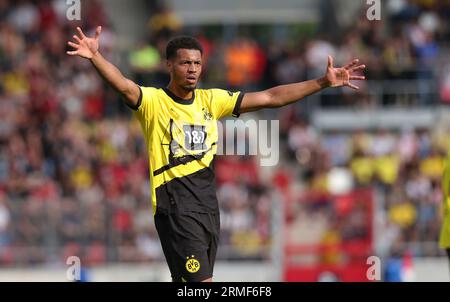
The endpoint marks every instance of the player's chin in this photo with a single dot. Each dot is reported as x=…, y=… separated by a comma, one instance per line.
x=190, y=87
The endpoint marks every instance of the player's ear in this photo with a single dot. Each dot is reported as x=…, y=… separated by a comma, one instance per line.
x=169, y=65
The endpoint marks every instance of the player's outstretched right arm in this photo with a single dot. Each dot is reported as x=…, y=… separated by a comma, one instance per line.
x=88, y=48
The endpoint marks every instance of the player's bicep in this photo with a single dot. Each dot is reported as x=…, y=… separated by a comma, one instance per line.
x=257, y=100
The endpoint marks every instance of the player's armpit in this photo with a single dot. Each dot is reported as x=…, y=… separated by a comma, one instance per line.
x=132, y=94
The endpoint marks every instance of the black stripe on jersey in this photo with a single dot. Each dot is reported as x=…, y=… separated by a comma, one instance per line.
x=192, y=193
x=136, y=108
x=237, y=107
x=182, y=161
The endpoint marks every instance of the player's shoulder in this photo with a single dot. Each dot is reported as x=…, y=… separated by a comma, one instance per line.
x=204, y=90
x=214, y=92
x=154, y=94
x=153, y=90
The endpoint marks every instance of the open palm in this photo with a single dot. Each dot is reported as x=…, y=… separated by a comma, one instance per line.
x=338, y=77
x=85, y=47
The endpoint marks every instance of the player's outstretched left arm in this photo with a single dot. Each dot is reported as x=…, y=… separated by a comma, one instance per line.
x=287, y=94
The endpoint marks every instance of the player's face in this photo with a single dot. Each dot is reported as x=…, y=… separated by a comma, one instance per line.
x=185, y=69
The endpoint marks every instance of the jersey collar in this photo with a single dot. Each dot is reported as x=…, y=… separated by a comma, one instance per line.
x=179, y=100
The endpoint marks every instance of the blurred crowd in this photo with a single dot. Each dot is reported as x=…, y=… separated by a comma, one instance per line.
x=73, y=164
x=404, y=168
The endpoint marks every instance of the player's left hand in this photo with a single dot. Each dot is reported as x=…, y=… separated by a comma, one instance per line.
x=338, y=77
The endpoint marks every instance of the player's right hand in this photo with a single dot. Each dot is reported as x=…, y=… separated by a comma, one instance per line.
x=338, y=77
x=85, y=47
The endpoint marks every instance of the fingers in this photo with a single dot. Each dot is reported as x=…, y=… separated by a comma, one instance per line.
x=351, y=64
x=352, y=86
x=80, y=33
x=75, y=37
x=357, y=77
x=360, y=67
x=98, y=31
x=71, y=44
x=330, y=62
x=72, y=53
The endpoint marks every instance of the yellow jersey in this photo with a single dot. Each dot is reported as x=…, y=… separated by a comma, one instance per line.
x=444, y=241
x=181, y=138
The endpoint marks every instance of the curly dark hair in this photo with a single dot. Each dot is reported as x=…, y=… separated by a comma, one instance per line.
x=182, y=42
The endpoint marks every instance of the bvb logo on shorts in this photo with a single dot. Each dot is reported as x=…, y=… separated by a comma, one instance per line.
x=192, y=265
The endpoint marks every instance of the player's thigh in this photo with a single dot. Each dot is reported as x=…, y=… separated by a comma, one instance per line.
x=186, y=246
x=214, y=229
x=163, y=227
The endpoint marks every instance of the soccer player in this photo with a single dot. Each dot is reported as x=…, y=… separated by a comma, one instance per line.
x=180, y=129
x=444, y=240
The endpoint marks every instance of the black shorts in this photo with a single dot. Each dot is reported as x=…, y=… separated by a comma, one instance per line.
x=448, y=254
x=189, y=242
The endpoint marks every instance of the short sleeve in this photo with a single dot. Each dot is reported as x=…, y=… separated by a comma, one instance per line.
x=225, y=103
x=145, y=108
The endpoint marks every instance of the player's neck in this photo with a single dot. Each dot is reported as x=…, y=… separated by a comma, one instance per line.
x=180, y=92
